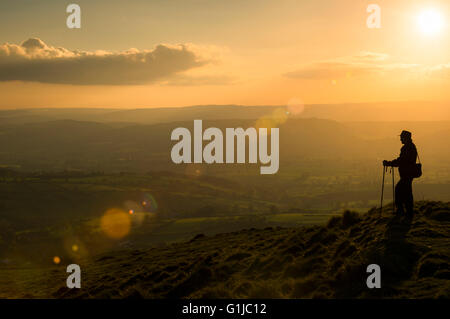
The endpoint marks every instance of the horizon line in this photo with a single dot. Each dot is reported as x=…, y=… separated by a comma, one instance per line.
x=214, y=105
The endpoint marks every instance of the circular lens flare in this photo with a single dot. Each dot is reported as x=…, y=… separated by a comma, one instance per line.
x=273, y=120
x=150, y=202
x=115, y=223
x=295, y=106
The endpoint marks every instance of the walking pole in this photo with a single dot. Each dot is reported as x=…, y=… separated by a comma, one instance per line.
x=382, y=190
x=393, y=190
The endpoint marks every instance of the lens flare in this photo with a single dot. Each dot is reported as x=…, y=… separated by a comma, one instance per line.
x=74, y=247
x=56, y=260
x=150, y=203
x=295, y=106
x=115, y=223
x=276, y=118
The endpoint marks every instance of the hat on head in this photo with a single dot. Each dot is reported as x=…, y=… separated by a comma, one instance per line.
x=405, y=134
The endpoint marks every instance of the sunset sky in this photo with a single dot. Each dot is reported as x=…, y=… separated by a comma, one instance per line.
x=142, y=53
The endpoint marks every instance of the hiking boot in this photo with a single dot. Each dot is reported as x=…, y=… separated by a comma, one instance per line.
x=399, y=212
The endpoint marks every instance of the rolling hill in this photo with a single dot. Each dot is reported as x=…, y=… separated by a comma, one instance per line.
x=70, y=144
x=323, y=261
x=382, y=112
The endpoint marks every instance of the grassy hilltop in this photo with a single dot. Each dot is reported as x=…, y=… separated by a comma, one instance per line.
x=323, y=261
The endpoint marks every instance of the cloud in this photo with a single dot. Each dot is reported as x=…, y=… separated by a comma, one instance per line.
x=184, y=80
x=370, y=56
x=330, y=70
x=441, y=71
x=365, y=63
x=35, y=61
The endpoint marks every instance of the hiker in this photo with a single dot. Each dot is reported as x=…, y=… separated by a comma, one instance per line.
x=405, y=163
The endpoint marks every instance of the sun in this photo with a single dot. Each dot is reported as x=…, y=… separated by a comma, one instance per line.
x=430, y=22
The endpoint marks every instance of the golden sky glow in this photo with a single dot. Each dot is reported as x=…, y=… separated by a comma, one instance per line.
x=215, y=52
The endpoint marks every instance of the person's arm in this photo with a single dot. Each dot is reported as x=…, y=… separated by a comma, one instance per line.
x=396, y=162
x=407, y=156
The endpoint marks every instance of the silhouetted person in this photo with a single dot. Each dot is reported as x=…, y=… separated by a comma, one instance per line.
x=405, y=163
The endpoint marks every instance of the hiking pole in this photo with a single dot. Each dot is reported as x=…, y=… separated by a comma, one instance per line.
x=382, y=190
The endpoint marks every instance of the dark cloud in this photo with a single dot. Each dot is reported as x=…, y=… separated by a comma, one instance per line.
x=36, y=61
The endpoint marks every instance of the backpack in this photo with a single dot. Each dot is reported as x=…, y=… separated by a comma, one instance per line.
x=416, y=170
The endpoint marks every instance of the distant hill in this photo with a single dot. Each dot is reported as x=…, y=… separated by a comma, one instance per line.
x=67, y=144
x=382, y=111
x=70, y=144
x=326, y=261
x=141, y=116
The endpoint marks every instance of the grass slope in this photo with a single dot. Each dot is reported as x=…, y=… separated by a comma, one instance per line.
x=326, y=261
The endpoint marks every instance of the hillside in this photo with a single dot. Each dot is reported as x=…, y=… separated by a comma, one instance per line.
x=326, y=261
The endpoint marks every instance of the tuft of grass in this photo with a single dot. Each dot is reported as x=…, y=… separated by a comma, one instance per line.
x=304, y=288
x=265, y=290
x=334, y=222
x=350, y=218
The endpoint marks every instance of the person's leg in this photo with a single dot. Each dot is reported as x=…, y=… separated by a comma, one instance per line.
x=409, y=199
x=399, y=196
